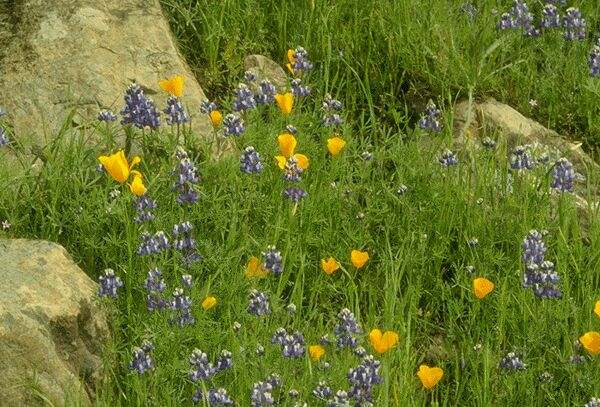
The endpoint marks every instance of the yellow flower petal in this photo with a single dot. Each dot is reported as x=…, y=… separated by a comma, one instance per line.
x=597, y=308
x=216, y=118
x=254, y=268
x=281, y=160
x=382, y=342
x=116, y=165
x=173, y=85
x=358, y=258
x=430, y=376
x=285, y=101
x=335, y=145
x=134, y=161
x=302, y=161
x=482, y=287
x=209, y=302
x=330, y=265
x=316, y=352
x=290, y=56
x=137, y=186
x=287, y=144
x=591, y=342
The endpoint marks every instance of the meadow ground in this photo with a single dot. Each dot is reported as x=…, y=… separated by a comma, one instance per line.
x=429, y=229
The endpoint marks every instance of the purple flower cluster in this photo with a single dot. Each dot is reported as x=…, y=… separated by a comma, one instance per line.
x=107, y=116
x=431, y=119
x=262, y=394
x=3, y=138
x=202, y=369
x=214, y=397
x=185, y=243
x=322, y=391
x=142, y=360
x=539, y=274
x=181, y=304
x=550, y=17
x=563, y=175
x=521, y=159
x=362, y=380
x=109, y=284
x=266, y=93
x=512, y=362
x=295, y=194
x=574, y=24
x=250, y=162
x=298, y=89
x=292, y=171
x=233, y=125
x=593, y=61
x=155, y=286
x=143, y=206
x=292, y=345
x=272, y=260
x=448, y=159
x=152, y=244
x=594, y=402
x=186, y=179
x=139, y=110
x=519, y=17
x=301, y=63
x=244, y=98
x=207, y=107
x=258, y=303
x=332, y=107
x=346, y=329
x=175, y=112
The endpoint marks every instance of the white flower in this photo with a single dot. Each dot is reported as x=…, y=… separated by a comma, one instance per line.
x=6, y=225
x=533, y=103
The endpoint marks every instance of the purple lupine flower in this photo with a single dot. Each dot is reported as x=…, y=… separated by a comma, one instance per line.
x=144, y=206
x=224, y=361
x=266, y=93
x=107, y=116
x=292, y=345
x=272, y=260
x=298, y=89
x=594, y=402
x=360, y=352
x=109, y=284
x=4, y=141
x=155, y=285
x=142, y=360
x=300, y=62
x=575, y=25
x=139, y=110
x=563, y=175
x=346, y=328
x=534, y=248
x=274, y=380
x=186, y=178
x=363, y=378
x=152, y=244
x=340, y=399
x=258, y=303
x=430, y=121
x=175, y=112
x=207, y=107
x=512, y=362
x=295, y=194
x=557, y=2
x=322, y=391
x=244, y=98
x=448, y=159
x=250, y=162
x=551, y=18
x=521, y=159
x=233, y=125
x=201, y=368
x=331, y=107
x=291, y=170
x=214, y=397
x=250, y=77
x=488, y=143
x=186, y=281
x=261, y=395
x=181, y=304
x=519, y=17
x=184, y=242
x=593, y=62
x=543, y=279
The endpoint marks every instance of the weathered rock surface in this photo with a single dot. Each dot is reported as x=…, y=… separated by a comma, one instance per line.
x=51, y=332
x=266, y=68
x=56, y=55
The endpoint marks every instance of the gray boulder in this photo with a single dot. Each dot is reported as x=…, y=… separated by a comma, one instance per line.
x=51, y=330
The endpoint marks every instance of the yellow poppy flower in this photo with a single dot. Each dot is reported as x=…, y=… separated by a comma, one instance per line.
x=430, y=376
x=597, y=308
x=335, y=145
x=482, y=287
x=117, y=166
x=209, y=302
x=330, y=265
x=173, y=85
x=216, y=118
x=137, y=186
x=382, y=342
x=591, y=342
x=301, y=159
x=254, y=268
x=359, y=258
x=290, y=56
x=316, y=352
x=285, y=101
x=287, y=144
